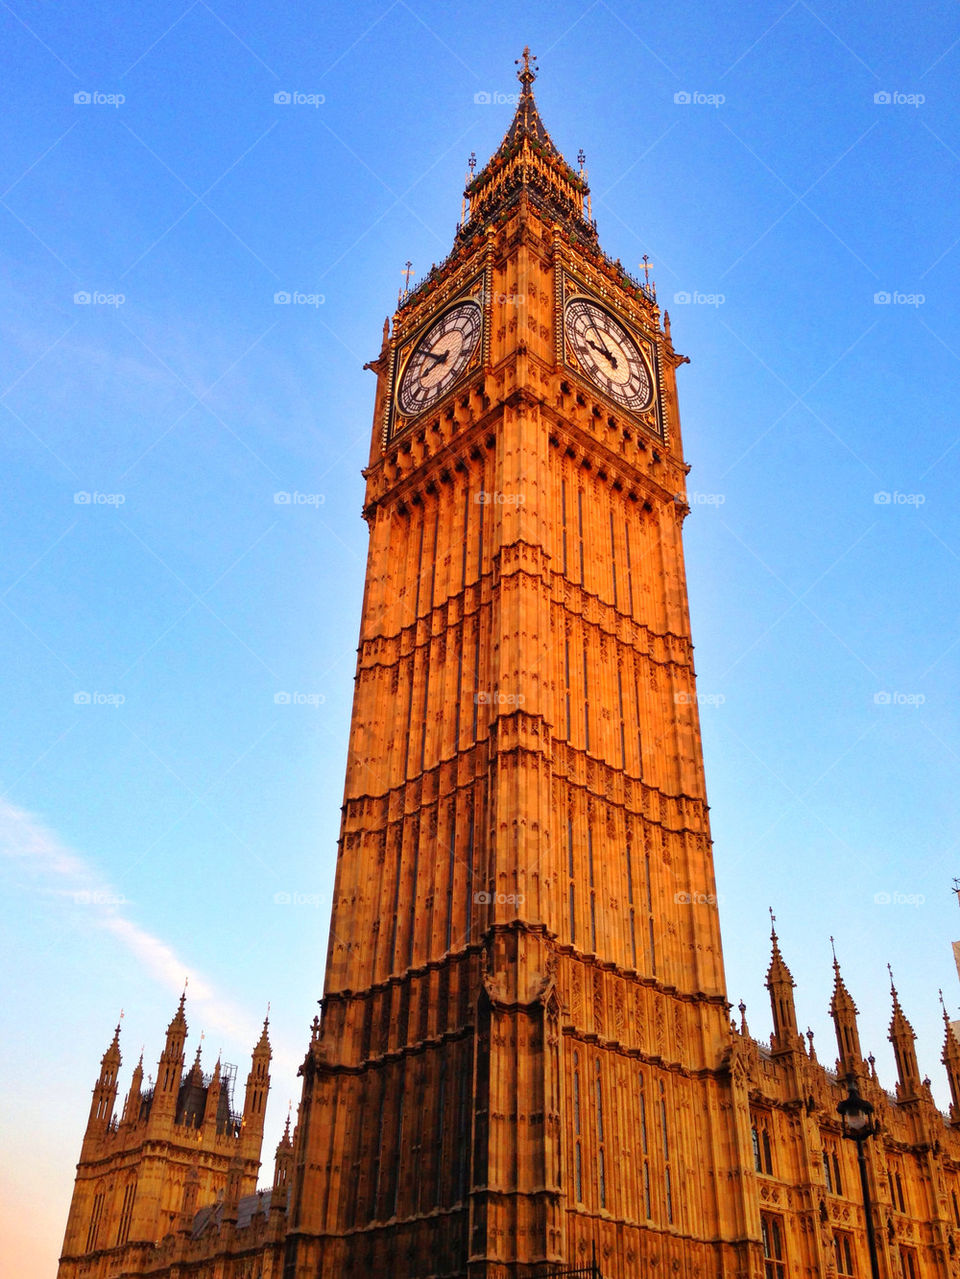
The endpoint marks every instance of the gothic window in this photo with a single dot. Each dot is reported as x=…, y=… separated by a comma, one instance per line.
x=831, y=1167
x=774, y=1253
x=956, y=1207
x=843, y=1246
x=573, y=895
x=667, y=1179
x=755, y=1138
x=644, y=1146
x=601, y=1143
x=896, y=1190
x=908, y=1263
x=760, y=1140
x=126, y=1212
x=577, y=1152
x=95, y=1217
x=767, y=1155
x=593, y=893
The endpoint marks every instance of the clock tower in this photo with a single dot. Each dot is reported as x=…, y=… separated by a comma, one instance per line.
x=523, y=1052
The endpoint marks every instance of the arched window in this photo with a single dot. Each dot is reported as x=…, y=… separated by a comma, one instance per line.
x=601, y=1144
x=667, y=1180
x=644, y=1147
x=577, y=1152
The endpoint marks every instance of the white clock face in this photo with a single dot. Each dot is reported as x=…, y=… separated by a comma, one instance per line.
x=608, y=354
x=439, y=358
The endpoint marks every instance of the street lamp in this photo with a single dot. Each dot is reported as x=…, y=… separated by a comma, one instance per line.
x=856, y=1113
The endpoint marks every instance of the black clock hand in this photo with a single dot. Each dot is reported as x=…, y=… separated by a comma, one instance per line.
x=440, y=359
x=603, y=351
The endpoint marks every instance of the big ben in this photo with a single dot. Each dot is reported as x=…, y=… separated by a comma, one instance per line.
x=524, y=998
x=524, y=1066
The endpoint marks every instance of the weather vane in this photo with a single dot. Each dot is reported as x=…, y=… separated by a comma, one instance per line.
x=528, y=74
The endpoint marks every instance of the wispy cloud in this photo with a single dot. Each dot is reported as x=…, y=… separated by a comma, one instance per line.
x=60, y=871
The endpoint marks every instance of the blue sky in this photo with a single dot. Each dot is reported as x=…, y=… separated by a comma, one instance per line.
x=146, y=838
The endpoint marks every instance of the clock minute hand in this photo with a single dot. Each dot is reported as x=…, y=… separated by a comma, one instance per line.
x=603, y=351
x=439, y=359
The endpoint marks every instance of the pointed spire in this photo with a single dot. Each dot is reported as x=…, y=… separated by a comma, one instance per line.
x=902, y=1037
x=527, y=165
x=105, y=1089
x=844, y=1013
x=950, y=1056
x=744, y=1028
x=780, y=984
x=131, y=1107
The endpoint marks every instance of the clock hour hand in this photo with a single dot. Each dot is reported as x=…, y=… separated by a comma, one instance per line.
x=439, y=359
x=603, y=351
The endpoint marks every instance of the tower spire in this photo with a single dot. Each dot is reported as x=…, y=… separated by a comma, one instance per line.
x=902, y=1037
x=844, y=1013
x=780, y=984
x=105, y=1089
x=950, y=1056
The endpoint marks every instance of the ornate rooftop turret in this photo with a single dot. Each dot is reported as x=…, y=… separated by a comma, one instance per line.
x=844, y=1013
x=951, y=1059
x=780, y=984
x=902, y=1037
x=528, y=162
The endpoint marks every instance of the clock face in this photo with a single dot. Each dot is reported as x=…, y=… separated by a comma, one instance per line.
x=439, y=358
x=608, y=354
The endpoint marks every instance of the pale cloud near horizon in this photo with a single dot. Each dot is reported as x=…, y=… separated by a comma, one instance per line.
x=62, y=872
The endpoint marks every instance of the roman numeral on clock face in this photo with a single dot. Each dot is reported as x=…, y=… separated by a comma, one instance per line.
x=440, y=358
x=607, y=353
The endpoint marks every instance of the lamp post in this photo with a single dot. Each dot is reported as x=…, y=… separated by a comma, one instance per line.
x=856, y=1114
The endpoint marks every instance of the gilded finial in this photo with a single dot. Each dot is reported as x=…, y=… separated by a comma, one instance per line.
x=893, y=989
x=527, y=74
x=833, y=948
x=472, y=162
x=773, y=918
x=406, y=273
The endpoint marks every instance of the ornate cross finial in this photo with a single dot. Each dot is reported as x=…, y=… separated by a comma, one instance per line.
x=773, y=918
x=834, y=949
x=527, y=74
x=581, y=160
x=406, y=273
x=893, y=989
x=472, y=162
